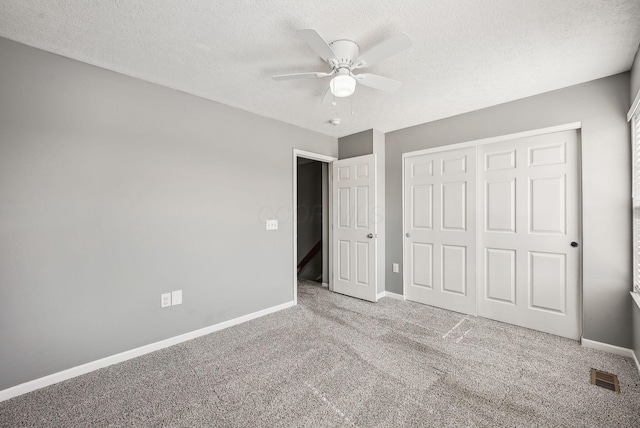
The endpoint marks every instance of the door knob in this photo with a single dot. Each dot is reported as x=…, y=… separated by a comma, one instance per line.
x=408, y=235
x=370, y=235
x=574, y=244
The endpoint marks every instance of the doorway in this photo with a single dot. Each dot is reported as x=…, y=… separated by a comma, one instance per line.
x=312, y=220
x=350, y=224
x=312, y=208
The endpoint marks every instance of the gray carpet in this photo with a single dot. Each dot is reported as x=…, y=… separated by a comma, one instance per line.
x=337, y=361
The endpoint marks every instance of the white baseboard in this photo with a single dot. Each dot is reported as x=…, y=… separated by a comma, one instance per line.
x=612, y=349
x=23, y=388
x=394, y=295
x=635, y=358
x=636, y=298
x=390, y=295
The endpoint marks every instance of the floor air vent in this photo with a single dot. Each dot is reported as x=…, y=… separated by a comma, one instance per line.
x=605, y=380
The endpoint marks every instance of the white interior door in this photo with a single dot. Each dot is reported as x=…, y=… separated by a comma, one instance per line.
x=354, y=236
x=440, y=229
x=528, y=270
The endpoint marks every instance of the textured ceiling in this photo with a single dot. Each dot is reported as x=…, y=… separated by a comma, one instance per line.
x=466, y=55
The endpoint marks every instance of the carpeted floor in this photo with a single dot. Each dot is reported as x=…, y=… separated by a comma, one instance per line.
x=338, y=361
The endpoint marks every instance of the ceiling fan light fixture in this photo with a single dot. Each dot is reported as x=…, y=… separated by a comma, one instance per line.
x=343, y=85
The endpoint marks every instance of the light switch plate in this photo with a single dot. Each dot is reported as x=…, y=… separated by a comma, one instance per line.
x=176, y=297
x=396, y=268
x=165, y=300
x=272, y=224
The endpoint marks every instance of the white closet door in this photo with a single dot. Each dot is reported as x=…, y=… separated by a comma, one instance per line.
x=440, y=228
x=354, y=233
x=528, y=218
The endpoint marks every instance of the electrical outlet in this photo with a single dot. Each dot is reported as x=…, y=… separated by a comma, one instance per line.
x=176, y=297
x=272, y=224
x=165, y=300
x=396, y=268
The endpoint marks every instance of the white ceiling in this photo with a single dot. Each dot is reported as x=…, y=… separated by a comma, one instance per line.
x=467, y=54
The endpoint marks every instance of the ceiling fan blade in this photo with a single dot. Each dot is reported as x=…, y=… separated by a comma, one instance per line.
x=300, y=75
x=384, y=50
x=317, y=43
x=378, y=82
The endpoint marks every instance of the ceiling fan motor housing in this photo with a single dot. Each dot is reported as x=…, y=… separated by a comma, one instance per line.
x=346, y=51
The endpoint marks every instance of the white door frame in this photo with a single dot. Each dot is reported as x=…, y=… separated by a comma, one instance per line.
x=476, y=143
x=328, y=160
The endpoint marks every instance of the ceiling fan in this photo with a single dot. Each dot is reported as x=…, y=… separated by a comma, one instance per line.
x=343, y=57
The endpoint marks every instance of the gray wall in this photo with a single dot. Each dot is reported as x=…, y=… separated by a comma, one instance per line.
x=355, y=145
x=309, y=215
x=379, y=149
x=635, y=76
x=113, y=191
x=601, y=106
